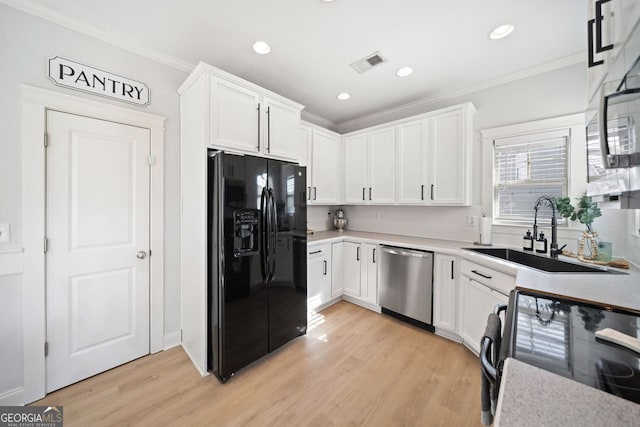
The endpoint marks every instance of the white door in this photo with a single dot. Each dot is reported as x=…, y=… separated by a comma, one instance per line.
x=445, y=293
x=325, y=166
x=235, y=114
x=282, y=130
x=412, y=159
x=355, y=170
x=478, y=301
x=352, y=256
x=97, y=280
x=448, y=174
x=382, y=165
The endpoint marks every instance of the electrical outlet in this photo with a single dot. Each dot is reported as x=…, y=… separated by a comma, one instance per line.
x=472, y=220
x=5, y=234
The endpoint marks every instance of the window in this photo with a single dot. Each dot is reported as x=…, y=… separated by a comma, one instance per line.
x=525, y=168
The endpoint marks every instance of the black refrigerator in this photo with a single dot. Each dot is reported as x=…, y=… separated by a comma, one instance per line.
x=257, y=265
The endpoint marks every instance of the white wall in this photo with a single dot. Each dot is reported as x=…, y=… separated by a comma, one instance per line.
x=27, y=43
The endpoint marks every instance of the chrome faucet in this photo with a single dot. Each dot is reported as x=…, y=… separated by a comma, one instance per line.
x=553, y=251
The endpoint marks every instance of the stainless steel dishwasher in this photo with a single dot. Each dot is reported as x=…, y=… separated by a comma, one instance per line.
x=406, y=284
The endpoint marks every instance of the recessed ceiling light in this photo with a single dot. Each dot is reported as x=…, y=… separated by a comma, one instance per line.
x=404, y=72
x=343, y=96
x=261, y=47
x=501, y=32
x=327, y=1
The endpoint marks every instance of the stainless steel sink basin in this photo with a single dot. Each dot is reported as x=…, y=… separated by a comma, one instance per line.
x=540, y=262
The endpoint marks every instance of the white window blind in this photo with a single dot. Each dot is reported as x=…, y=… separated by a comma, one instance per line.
x=526, y=168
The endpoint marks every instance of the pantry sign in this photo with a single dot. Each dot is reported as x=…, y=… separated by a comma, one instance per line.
x=74, y=75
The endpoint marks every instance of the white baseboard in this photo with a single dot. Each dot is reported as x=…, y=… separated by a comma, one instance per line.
x=11, y=261
x=13, y=397
x=172, y=339
x=203, y=373
x=356, y=301
x=449, y=335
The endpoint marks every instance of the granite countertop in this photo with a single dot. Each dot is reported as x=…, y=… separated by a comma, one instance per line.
x=531, y=396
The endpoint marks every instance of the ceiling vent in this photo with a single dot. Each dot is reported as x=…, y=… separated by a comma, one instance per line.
x=368, y=62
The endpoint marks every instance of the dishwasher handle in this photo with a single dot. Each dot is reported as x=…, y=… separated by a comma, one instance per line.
x=406, y=252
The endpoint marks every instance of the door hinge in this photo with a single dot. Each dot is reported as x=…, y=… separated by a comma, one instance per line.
x=46, y=245
x=46, y=349
x=46, y=139
x=152, y=160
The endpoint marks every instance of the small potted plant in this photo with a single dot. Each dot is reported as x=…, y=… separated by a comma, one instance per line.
x=585, y=211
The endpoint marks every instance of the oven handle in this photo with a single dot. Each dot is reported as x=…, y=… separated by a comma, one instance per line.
x=488, y=369
x=489, y=353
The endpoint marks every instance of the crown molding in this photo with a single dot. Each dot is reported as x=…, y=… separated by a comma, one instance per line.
x=421, y=105
x=48, y=13
x=318, y=121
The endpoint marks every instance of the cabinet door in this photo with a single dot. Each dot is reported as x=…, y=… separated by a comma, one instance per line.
x=234, y=117
x=382, y=165
x=355, y=169
x=369, y=274
x=337, y=269
x=281, y=130
x=448, y=159
x=477, y=302
x=325, y=168
x=412, y=159
x=445, y=293
x=318, y=276
x=352, y=273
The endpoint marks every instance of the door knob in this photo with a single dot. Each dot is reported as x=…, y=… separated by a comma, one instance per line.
x=141, y=255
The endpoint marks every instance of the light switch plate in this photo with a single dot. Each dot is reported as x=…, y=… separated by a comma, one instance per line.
x=5, y=234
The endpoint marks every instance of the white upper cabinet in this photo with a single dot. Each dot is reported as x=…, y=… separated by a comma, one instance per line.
x=239, y=116
x=412, y=159
x=324, y=187
x=381, y=159
x=234, y=117
x=355, y=173
x=369, y=160
x=434, y=158
x=450, y=155
x=281, y=129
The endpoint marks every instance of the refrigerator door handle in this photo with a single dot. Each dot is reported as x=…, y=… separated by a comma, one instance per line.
x=264, y=210
x=273, y=237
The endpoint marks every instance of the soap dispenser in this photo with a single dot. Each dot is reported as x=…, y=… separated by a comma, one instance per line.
x=541, y=244
x=527, y=241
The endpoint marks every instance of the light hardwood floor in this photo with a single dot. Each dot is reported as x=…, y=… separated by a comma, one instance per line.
x=354, y=367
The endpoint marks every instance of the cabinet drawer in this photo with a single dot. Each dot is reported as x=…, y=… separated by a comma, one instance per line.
x=318, y=251
x=496, y=280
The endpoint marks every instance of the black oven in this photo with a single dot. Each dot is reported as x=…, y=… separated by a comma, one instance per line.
x=558, y=335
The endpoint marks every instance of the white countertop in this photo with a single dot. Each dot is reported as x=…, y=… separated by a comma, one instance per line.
x=531, y=396
x=615, y=290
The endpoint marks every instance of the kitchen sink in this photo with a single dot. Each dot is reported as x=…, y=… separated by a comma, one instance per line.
x=540, y=262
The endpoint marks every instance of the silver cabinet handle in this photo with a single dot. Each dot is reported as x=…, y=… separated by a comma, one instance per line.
x=422, y=192
x=309, y=194
x=374, y=255
x=358, y=253
x=315, y=252
x=268, y=129
x=363, y=190
x=315, y=193
x=432, y=191
x=325, y=268
x=258, y=126
x=369, y=193
x=141, y=255
x=486, y=276
x=416, y=253
x=452, y=270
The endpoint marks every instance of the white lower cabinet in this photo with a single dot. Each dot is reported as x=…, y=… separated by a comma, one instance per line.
x=352, y=269
x=318, y=276
x=481, y=289
x=445, y=295
x=369, y=273
x=337, y=269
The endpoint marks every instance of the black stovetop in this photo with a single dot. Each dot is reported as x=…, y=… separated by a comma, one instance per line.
x=559, y=335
